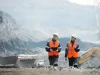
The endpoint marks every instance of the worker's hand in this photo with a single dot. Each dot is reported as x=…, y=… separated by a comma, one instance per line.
x=54, y=48
x=77, y=50
x=66, y=58
x=50, y=50
x=58, y=50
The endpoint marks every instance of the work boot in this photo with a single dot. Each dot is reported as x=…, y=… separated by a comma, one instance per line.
x=55, y=64
x=55, y=68
x=75, y=66
x=51, y=67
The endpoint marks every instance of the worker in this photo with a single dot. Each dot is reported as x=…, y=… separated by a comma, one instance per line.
x=71, y=52
x=53, y=48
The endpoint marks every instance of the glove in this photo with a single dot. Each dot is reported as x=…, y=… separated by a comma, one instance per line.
x=50, y=50
x=58, y=50
x=54, y=48
x=77, y=50
x=66, y=58
x=47, y=49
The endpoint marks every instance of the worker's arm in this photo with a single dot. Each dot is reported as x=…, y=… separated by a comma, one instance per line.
x=77, y=48
x=47, y=48
x=59, y=48
x=66, y=50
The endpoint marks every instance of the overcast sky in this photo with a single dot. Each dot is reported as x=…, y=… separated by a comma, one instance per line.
x=30, y=14
x=35, y=12
x=83, y=2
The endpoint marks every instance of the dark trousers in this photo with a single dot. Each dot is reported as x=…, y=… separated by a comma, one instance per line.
x=53, y=60
x=73, y=62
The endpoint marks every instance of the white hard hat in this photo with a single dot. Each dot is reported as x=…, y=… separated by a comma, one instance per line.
x=74, y=35
x=56, y=34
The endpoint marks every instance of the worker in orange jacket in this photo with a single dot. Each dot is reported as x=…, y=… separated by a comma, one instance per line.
x=71, y=52
x=53, y=48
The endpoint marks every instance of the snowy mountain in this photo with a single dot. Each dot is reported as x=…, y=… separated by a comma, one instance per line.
x=9, y=29
x=13, y=39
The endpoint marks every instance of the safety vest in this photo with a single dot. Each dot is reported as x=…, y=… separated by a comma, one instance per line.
x=54, y=45
x=71, y=50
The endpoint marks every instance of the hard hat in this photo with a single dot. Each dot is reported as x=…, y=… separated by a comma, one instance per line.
x=74, y=35
x=55, y=34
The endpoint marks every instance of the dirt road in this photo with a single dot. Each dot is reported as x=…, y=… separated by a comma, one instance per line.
x=49, y=72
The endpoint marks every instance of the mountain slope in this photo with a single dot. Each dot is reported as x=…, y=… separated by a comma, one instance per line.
x=13, y=39
x=63, y=41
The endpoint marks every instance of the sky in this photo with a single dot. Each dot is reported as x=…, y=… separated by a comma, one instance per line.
x=30, y=14
x=83, y=2
x=40, y=8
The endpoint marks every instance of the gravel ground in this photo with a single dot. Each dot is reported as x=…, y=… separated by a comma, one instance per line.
x=23, y=71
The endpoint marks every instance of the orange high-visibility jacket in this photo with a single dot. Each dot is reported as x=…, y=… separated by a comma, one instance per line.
x=71, y=50
x=53, y=45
